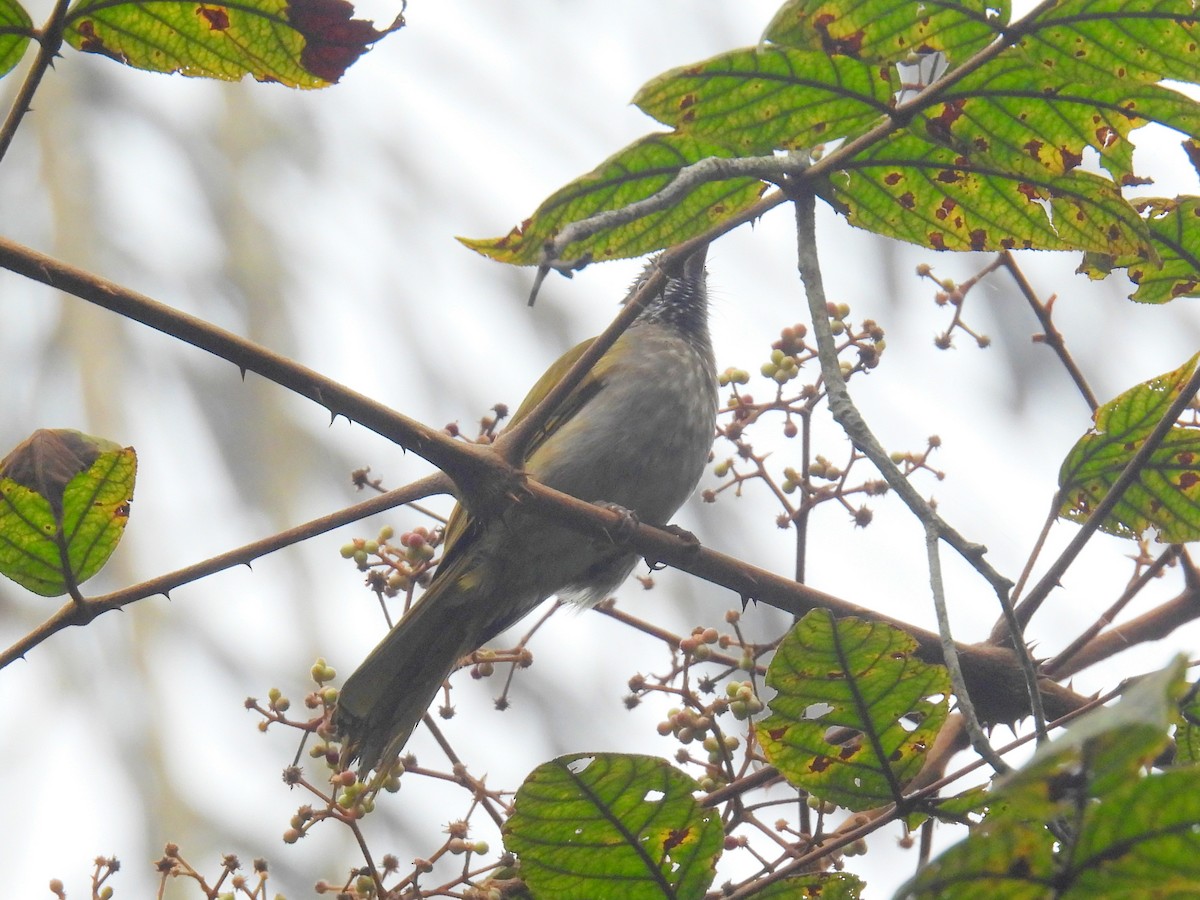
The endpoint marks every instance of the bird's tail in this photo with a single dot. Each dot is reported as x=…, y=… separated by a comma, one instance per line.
x=385, y=698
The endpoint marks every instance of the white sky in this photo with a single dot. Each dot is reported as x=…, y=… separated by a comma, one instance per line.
x=322, y=224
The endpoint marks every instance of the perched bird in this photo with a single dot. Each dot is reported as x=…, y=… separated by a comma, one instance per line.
x=635, y=433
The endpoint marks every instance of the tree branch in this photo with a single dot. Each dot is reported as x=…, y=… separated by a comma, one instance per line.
x=82, y=612
x=50, y=39
x=472, y=467
x=1131, y=472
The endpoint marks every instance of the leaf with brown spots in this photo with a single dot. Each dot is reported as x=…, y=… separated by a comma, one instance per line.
x=1103, y=42
x=888, y=30
x=1175, y=234
x=900, y=186
x=769, y=98
x=1008, y=108
x=298, y=43
x=854, y=712
x=1166, y=494
x=613, y=826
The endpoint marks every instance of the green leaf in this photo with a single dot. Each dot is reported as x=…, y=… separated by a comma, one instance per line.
x=913, y=190
x=636, y=172
x=1008, y=109
x=64, y=502
x=614, y=826
x=1187, y=733
x=16, y=29
x=1111, y=743
x=855, y=710
x=763, y=99
x=1143, y=840
x=1112, y=832
x=1107, y=41
x=889, y=30
x=1175, y=232
x=1166, y=494
x=298, y=43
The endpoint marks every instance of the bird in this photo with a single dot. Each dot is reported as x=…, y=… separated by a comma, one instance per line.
x=634, y=435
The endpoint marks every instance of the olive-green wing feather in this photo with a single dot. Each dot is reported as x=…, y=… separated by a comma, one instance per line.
x=457, y=528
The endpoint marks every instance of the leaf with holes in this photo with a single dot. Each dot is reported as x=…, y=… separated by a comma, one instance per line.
x=635, y=173
x=1010, y=110
x=610, y=826
x=889, y=30
x=64, y=502
x=1166, y=494
x=855, y=710
x=1175, y=233
x=908, y=188
x=298, y=43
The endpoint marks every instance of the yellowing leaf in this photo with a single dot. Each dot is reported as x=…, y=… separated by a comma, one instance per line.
x=64, y=502
x=889, y=30
x=761, y=99
x=299, y=43
x=1175, y=233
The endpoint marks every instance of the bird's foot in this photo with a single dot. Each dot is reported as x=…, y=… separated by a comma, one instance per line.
x=624, y=529
x=683, y=534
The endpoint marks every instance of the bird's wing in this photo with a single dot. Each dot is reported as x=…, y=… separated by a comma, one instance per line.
x=461, y=529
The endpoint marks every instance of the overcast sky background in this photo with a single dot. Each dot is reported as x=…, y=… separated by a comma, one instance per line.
x=322, y=224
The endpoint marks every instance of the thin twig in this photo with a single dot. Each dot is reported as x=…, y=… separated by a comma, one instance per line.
x=1051, y=336
x=844, y=412
x=469, y=464
x=80, y=613
x=966, y=707
x=1000, y=629
x=764, y=168
x=460, y=772
x=1163, y=620
x=1050, y=668
x=993, y=671
x=50, y=39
